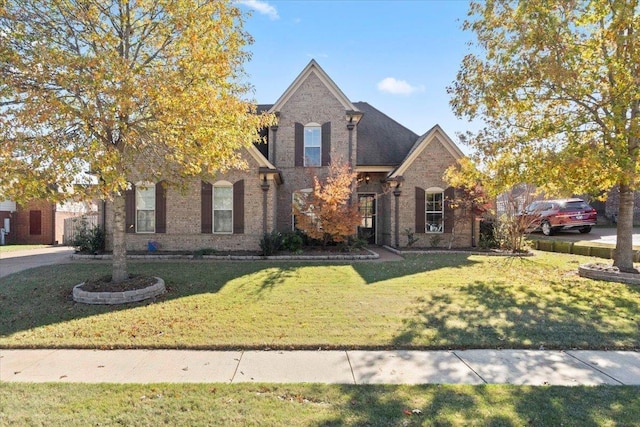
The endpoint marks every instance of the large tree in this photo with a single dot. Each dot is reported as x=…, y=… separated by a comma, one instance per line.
x=130, y=90
x=558, y=87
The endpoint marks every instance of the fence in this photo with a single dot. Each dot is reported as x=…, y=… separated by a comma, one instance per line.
x=73, y=225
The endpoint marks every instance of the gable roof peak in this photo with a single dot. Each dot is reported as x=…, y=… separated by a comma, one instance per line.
x=313, y=68
x=421, y=144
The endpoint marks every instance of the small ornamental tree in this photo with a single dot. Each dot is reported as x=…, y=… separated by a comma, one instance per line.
x=130, y=90
x=327, y=214
x=476, y=191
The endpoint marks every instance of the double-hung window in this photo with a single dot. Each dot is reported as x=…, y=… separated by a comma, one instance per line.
x=222, y=208
x=434, y=211
x=312, y=145
x=145, y=208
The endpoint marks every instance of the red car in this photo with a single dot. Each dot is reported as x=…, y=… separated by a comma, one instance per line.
x=550, y=216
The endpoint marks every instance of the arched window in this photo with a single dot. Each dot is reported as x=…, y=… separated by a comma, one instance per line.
x=434, y=210
x=312, y=144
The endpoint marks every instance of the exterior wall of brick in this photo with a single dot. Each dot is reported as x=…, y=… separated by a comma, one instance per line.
x=184, y=217
x=311, y=103
x=427, y=171
x=20, y=224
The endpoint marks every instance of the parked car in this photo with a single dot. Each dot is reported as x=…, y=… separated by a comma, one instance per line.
x=550, y=216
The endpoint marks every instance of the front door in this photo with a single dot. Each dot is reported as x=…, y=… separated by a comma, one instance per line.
x=367, y=228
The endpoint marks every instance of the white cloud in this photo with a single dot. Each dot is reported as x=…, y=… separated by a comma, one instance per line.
x=398, y=87
x=261, y=7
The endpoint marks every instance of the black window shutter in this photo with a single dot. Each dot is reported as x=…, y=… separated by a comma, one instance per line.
x=161, y=207
x=449, y=196
x=326, y=144
x=130, y=209
x=299, y=144
x=420, y=211
x=238, y=207
x=206, y=208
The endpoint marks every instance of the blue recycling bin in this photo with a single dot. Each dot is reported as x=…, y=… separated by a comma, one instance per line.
x=152, y=246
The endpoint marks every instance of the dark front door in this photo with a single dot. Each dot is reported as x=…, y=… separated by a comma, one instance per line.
x=367, y=228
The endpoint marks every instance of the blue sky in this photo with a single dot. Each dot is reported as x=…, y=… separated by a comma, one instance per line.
x=398, y=56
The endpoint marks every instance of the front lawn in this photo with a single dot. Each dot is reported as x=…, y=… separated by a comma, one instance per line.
x=316, y=405
x=434, y=301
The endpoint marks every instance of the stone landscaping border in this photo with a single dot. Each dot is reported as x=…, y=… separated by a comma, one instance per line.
x=112, y=298
x=333, y=257
x=607, y=273
x=454, y=251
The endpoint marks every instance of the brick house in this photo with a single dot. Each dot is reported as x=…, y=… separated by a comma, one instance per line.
x=400, y=179
x=39, y=222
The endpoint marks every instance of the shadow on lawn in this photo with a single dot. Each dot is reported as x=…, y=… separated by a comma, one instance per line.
x=375, y=272
x=42, y=296
x=486, y=405
x=499, y=315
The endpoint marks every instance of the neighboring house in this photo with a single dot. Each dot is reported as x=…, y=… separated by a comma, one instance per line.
x=400, y=179
x=39, y=222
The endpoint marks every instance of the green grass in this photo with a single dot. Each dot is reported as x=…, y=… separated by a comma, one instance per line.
x=14, y=248
x=316, y=405
x=430, y=301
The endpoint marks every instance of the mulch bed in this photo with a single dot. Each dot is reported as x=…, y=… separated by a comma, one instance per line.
x=104, y=284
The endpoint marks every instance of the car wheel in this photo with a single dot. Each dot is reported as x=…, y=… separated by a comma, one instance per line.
x=547, y=230
x=586, y=229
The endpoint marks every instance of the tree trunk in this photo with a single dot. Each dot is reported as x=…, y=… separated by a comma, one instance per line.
x=623, y=258
x=119, y=267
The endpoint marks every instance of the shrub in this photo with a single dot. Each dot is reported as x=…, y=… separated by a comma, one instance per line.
x=435, y=239
x=88, y=240
x=354, y=243
x=205, y=251
x=271, y=243
x=487, y=235
x=293, y=242
x=411, y=237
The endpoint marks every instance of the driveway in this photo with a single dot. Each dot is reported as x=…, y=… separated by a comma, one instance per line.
x=12, y=262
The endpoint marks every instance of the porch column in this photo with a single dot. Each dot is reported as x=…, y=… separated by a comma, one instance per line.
x=272, y=146
x=396, y=226
x=265, y=190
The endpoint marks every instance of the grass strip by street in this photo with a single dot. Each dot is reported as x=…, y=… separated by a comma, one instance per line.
x=316, y=405
x=434, y=301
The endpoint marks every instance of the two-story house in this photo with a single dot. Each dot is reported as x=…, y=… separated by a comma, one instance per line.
x=400, y=182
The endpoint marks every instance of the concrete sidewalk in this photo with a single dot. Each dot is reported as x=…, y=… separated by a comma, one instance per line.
x=520, y=367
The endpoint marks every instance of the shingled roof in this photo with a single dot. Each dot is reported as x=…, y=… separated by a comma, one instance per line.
x=381, y=140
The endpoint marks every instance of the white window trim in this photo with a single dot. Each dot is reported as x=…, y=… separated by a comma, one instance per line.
x=433, y=190
x=147, y=186
x=220, y=184
x=304, y=144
